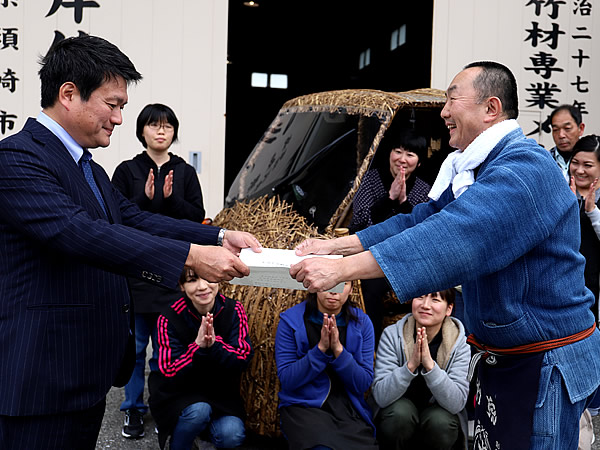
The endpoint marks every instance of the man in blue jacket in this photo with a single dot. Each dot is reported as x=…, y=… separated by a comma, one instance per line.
x=68, y=239
x=503, y=223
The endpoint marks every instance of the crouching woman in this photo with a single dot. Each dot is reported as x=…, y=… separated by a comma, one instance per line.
x=203, y=348
x=421, y=378
x=324, y=353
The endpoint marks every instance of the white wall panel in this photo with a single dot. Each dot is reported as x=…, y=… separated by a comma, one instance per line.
x=471, y=30
x=179, y=46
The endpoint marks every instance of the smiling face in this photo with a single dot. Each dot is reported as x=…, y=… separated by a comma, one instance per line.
x=331, y=302
x=464, y=117
x=201, y=292
x=92, y=122
x=430, y=310
x=584, y=168
x=565, y=130
x=158, y=136
x=399, y=157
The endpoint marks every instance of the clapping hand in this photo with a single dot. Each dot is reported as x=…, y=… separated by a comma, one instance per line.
x=168, y=186
x=590, y=198
x=149, y=187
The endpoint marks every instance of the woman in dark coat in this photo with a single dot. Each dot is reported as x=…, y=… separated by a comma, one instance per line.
x=584, y=169
x=385, y=191
x=161, y=182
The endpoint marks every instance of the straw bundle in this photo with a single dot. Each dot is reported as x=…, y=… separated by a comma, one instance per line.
x=366, y=101
x=276, y=225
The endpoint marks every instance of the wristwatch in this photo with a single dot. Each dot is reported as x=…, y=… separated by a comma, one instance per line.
x=221, y=236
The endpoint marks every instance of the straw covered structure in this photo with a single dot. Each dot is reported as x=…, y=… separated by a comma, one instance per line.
x=366, y=102
x=276, y=225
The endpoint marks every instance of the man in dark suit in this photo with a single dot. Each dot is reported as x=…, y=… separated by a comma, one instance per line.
x=68, y=239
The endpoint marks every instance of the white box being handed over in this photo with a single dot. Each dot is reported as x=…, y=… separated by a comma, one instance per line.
x=271, y=268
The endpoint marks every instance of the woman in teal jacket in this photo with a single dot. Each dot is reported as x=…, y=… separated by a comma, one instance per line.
x=324, y=353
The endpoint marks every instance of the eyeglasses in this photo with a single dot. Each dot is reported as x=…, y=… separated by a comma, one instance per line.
x=157, y=126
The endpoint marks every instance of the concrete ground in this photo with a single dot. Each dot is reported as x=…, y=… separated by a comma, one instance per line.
x=110, y=433
x=596, y=422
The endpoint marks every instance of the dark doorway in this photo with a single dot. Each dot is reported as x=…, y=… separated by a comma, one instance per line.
x=318, y=45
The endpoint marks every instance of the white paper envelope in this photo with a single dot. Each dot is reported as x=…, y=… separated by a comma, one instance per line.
x=271, y=268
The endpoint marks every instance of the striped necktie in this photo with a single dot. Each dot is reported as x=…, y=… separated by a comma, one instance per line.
x=86, y=167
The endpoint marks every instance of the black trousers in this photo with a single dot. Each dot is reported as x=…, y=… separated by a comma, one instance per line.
x=77, y=430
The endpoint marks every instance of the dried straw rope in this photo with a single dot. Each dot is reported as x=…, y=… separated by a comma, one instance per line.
x=276, y=225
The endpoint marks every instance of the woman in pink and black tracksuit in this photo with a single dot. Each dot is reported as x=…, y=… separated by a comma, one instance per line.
x=203, y=348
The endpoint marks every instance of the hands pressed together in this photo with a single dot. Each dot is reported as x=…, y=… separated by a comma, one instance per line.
x=398, y=187
x=206, y=333
x=421, y=355
x=330, y=336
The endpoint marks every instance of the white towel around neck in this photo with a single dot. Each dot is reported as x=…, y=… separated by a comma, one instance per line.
x=458, y=168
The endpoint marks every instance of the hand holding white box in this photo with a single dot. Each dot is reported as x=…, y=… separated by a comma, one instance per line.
x=271, y=268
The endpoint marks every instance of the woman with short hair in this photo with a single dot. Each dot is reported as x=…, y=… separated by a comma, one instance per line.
x=421, y=378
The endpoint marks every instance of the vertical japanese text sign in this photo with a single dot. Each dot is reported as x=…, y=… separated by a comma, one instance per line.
x=22, y=41
x=558, y=61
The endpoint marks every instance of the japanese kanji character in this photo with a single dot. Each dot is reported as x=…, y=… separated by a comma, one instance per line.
x=555, y=4
x=543, y=64
x=535, y=33
x=9, y=80
x=579, y=83
x=9, y=38
x=538, y=6
x=581, y=106
x=77, y=5
x=580, y=57
x=581, y=36
x=58, y=36
x=542, y=95
x=545, y=126
x=6, y=121
x=583, y=7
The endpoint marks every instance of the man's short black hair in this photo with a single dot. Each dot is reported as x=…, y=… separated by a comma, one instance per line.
x=573, y=110
x=155, y=113
x=496, y=80
x=86, y=61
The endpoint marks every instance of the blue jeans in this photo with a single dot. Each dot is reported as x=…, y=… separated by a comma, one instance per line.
x=225, y=431
x=145, y=326
x=556, y=419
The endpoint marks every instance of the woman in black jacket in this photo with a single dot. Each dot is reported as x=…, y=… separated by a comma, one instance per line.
x=584, y=169
x=160, y=182
x=204, y=348
x=389, y=187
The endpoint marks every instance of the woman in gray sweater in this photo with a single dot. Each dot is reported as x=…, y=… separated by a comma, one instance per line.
x=420, y=379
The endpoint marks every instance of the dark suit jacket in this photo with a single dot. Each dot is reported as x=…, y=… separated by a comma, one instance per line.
x=64, y=301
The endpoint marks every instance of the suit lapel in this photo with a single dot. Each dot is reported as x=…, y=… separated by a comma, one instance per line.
x=65, y=161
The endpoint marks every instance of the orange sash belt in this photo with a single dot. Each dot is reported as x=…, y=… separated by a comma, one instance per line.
x=536, y=347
